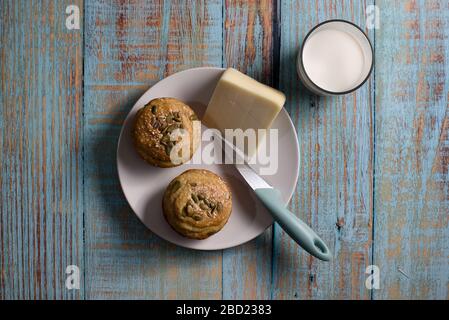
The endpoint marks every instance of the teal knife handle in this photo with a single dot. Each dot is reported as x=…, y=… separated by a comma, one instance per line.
x=298, y=230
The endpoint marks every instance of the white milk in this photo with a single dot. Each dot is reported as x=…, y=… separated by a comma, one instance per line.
x=334, y=60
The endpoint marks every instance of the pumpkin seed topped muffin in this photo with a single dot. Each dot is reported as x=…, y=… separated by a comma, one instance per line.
x=155, y=133
x=197, y=203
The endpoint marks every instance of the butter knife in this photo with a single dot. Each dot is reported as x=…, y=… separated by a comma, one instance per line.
x=271, y=199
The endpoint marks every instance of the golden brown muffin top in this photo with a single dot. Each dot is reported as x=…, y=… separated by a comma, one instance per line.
x=154, y=124
x=197, y=203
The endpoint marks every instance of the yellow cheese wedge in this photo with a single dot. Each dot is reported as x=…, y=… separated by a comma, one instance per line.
x=240, y=102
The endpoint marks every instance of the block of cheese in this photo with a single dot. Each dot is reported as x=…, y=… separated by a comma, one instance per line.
x=240, y=102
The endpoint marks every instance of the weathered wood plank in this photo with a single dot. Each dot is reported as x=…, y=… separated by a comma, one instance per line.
x=411, y=229
x=334, y=193
x=129, y=46
x=248, y=47
x=132, y=44
x=41, y=206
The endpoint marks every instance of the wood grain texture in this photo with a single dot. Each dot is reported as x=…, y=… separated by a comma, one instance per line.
x=41, y=165
x=248, y=47
x=334, y=193
x=374, y=177
x=411, y=229
x=130, y=45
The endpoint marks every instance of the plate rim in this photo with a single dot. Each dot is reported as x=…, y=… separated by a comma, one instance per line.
x=297, y=167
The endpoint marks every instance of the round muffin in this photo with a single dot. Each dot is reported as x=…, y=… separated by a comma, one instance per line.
x=197, y=203
x=156, y=138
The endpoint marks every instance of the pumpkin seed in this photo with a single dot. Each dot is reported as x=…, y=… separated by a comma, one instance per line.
x=176, y=117
x=153, y=109
x=172, y=127
x=168, y=149
x=190, y=210
x=204, y=206
x=193, y=117
x=219, y=207
x=195, y=198
x=201, y=197
x=165, y=139
x=176, y=185
x=197, y=217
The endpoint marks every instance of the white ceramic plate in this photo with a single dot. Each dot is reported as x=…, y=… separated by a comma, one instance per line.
x=144, y=185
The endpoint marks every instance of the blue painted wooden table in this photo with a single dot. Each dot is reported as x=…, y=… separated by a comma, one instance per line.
x=374, y=177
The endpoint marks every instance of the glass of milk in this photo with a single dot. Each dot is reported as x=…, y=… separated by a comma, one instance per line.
x=336, y=58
